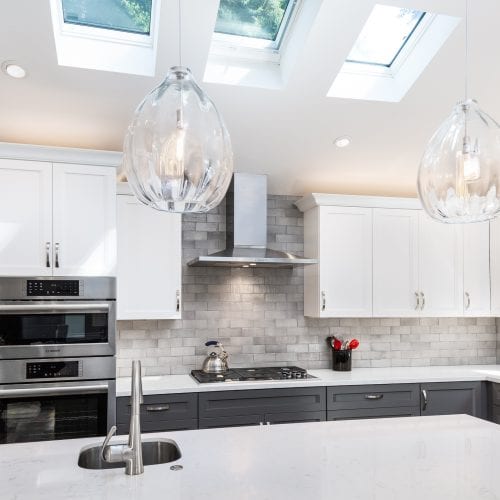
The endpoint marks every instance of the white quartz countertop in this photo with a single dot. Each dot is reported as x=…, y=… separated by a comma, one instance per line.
x=412, y=458
x=170, y=384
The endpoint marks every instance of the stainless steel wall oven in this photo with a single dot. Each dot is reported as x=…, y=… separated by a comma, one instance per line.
x=57, y=365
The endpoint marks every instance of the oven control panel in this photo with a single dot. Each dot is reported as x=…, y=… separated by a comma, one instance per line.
x=52, y=288
x=53, y=369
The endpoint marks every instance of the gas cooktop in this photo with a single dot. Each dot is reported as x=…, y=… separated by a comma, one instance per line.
x=253, y=374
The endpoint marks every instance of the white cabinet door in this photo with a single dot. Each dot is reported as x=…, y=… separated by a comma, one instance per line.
x=440, y=267
x=25, y=218
x=345, y=262
x=149, y=262
x=495, y=266
x=84, y=220
x=476, y=269
x=395, y=262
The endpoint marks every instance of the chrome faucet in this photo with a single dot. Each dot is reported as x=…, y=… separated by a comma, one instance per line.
x=131, y=454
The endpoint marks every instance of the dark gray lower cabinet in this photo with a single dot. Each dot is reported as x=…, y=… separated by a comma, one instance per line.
x=232, y=408
x=408, y=411
x=450, y=398
x=162, y=412
x=262, y=406
x=372, y=401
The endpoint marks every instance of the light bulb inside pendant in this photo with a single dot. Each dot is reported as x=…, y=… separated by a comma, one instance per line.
x=174, y=152
x=468, y=161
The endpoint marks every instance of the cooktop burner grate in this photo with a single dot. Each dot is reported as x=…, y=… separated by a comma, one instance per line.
x=253, y=374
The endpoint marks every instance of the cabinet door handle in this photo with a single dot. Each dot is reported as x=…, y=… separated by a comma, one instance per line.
x=56, y=258
x=177, y=300
x=422, y=305
x=417, y=305
x=47, y=254
x=467, y=296
x=424, y=395
x=374, y=396
x=158, y=408
x=323, y=301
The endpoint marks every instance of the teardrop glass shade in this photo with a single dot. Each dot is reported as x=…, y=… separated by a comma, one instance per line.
x=177, y=151
x=459, y=175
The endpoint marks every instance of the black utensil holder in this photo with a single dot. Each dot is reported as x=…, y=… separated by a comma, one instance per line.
x=342, y=360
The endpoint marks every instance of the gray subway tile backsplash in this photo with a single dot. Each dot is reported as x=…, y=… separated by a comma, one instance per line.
x=258, y=315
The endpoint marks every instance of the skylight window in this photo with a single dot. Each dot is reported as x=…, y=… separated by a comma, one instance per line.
x=256, y=43
x=131, y=16
x=107, y=35
x=392, y=50
x=384, y=35
x=254, y=23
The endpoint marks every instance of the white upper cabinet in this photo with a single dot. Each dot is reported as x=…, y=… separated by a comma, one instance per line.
x=84, y=220
x=419, y=267
x=57, y=219
x=25, y=218
x=149, y=262
x=495, y=266
x=395, y=262
x=477, y=269
x=344, y=236
x=440, y=268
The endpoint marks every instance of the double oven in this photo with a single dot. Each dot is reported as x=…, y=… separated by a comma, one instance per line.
x=57, y=364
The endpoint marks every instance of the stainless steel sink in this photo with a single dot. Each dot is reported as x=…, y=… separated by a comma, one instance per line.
x=158, y=451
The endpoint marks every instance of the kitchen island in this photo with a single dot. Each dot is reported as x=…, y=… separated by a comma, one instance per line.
x=446, y=457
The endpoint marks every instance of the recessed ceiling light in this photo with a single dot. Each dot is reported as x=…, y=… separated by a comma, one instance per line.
x=342, y=141
x=14, y=70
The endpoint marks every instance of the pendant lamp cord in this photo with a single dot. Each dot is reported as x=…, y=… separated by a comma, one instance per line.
x=179, y=33
x=466, y=49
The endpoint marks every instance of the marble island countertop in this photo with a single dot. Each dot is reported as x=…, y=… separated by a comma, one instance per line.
x=170, y=384
x=413, y=458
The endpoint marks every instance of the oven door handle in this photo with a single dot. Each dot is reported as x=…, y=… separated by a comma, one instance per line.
x=53, y=391
x=54, y=307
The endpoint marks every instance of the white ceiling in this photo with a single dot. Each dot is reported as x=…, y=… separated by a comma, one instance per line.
x=286, y=134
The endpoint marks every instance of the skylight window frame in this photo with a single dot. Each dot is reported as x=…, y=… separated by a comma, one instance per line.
x=252, y=48
x=366, y=68
x=401, y=48
x=109, y=34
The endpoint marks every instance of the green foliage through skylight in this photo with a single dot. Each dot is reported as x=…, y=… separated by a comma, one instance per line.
x=132, y=16
x=251, y=18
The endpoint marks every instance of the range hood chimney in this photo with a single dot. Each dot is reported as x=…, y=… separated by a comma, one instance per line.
x=246, y=229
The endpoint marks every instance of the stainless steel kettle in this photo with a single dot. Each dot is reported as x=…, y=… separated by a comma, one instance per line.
x=215, y=362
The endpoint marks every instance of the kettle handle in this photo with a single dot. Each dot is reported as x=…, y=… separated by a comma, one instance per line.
x=223, y=354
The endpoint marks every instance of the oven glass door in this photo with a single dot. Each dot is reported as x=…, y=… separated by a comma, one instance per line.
x=44, y=418
x=28, y=327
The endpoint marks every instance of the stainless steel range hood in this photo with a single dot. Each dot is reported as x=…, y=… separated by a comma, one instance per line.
x=246, y=229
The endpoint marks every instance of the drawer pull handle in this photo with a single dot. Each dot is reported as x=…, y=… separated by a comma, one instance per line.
x=47, y=254
x=424, y=395
x=158, y=408
x=57, y=254
x=417, y=305
x=323, y=301
x=374, y=396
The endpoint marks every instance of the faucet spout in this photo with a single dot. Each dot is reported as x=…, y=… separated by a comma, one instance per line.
x=134, y=463
x=131, y=454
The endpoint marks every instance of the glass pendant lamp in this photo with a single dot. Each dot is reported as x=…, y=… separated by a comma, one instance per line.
x=177, y=150
x=459, y=174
